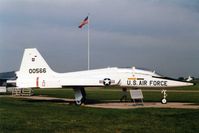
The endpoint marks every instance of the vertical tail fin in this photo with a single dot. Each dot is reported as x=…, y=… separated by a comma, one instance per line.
x=33, y=62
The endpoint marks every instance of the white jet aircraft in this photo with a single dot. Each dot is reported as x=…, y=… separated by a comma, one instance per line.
x=35, y=73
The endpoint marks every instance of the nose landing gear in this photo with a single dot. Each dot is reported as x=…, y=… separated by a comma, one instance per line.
x=164, y=100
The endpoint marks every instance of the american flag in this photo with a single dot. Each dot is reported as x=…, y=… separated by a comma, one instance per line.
x=84, y=22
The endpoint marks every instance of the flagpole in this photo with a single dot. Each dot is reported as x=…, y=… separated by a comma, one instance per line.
x=88, y=42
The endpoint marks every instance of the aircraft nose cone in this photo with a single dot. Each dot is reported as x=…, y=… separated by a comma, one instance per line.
x=189, y=84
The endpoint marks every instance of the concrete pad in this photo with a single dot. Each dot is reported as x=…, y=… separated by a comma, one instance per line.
x=118, y=105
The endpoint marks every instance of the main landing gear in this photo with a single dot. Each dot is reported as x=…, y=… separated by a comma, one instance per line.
x=80, y=95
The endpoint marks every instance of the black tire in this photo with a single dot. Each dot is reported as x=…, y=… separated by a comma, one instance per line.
x=164, y=101
x=78, y=102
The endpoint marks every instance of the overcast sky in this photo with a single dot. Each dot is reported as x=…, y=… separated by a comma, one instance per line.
x=161, y=35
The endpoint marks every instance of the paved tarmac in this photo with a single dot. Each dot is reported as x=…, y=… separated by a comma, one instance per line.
x=116, y=104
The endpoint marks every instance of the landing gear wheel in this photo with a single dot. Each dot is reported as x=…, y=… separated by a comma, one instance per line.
x=78, y=102
x=164, y=101
x=80, y=95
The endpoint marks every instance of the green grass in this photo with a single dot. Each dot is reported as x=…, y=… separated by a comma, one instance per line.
x=191, y=97
x=18, y=115
x=32, y=116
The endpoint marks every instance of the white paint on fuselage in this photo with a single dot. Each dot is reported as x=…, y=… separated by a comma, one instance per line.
x=35, y=72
